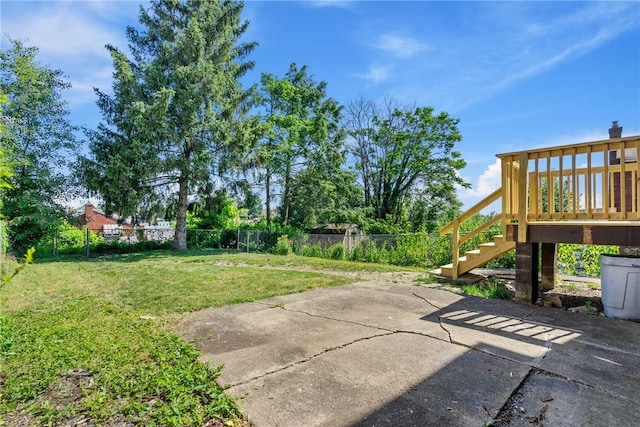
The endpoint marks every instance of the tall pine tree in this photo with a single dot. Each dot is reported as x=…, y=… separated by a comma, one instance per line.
x=177, y=106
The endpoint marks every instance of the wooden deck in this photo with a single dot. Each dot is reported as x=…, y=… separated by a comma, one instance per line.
x=583, y=193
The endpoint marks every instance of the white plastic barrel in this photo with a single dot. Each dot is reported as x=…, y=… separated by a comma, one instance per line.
x=620, y=282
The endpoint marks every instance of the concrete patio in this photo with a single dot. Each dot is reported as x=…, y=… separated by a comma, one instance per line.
x=385, y=354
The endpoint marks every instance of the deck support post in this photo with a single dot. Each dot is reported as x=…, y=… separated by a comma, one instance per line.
x=549, y=265
x=527, y=272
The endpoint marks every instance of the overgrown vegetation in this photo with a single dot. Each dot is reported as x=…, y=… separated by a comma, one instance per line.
x=425, y=250
x=582, y=260
x=491, y=289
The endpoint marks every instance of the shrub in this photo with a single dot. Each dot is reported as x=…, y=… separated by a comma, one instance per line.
x=67, y=240
x=336, y=251
x=410, y=250
x=367, y=251
x=582, y=259
x=506, y=260
x=591, y=257
x=283, y=245
x=311, y=250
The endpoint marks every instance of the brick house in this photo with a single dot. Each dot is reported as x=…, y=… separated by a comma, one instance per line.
x=101, y=224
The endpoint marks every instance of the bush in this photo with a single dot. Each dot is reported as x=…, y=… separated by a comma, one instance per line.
x=197, y=238
x=367, y=251
x=283, y=245
x=410, y=250
x=336, y=251
x=67, y=240
x=506, y=260
x=116, y=247
x=582, y=259
x=311, y=250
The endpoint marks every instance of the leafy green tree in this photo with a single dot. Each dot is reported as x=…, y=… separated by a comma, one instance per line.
x=302, y=133
x=6, y=169
x=178, y=99
x=323, y=195
x=214, y=210
x=405, y=159
x=38, y=140
x=567, y=196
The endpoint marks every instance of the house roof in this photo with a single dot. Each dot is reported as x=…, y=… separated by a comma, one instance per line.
x=333, y=228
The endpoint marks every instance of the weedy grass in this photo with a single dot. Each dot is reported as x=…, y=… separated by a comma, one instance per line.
x=110, y=318
x=487, y=290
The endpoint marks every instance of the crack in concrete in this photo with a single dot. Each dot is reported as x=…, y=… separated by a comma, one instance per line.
x=506, y=411
x=320, y=316
x=366, y=325
x=510, y=406
x=523, y=318
x=533, y=365
x=309, y=358
x=437, y=313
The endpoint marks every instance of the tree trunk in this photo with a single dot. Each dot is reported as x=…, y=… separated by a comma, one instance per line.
x=268, y=196
x=286, y=194
x=180, y=237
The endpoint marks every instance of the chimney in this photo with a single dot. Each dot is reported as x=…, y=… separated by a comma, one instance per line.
x=615, y=131
x=88, y=212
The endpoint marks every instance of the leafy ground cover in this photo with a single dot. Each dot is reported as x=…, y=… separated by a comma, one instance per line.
x=90, y=341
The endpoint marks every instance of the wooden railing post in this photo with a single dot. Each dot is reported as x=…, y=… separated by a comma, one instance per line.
x=455, y=247
x=522, y=197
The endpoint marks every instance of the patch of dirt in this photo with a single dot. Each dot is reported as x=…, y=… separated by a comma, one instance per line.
x=62, y=395
x=577, y=294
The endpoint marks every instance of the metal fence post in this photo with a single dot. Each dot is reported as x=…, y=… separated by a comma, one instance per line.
x=86, y=242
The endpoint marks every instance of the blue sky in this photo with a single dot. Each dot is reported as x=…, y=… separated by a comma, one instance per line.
x=518, y=75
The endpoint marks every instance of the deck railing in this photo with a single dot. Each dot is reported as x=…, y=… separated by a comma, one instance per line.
x=590, y=181
x=454, y=226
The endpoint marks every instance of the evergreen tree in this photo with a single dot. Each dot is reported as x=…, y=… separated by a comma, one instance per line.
x=178, y=104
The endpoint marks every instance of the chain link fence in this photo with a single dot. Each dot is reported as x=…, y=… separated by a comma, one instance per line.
x=420, y=249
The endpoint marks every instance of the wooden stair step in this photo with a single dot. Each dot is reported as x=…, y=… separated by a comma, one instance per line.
x=476, y=257
x=487, y=245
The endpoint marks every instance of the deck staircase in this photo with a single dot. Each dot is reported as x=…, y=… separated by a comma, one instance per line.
x=477, y=257
x=484, y=253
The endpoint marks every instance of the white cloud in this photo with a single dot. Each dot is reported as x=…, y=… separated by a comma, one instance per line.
x=401, y=46
x=376, y=74
x=81, y=91
x=488, y=182
x=62, y=28
x=506, y=44
x=71, y=36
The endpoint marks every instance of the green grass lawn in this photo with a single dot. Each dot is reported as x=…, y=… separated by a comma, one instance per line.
x=92, y=339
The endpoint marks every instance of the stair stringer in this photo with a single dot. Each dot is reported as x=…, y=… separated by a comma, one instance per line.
x=475, y=258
